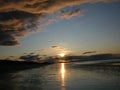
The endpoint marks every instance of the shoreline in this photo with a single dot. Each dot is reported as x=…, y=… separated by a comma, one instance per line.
x=8, y=66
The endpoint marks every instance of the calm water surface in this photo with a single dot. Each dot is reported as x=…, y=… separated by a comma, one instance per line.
x=63, y=76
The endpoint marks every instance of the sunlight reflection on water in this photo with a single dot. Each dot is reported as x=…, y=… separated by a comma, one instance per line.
x=63, y=76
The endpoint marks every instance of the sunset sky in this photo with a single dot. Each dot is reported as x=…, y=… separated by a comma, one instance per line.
x=51, y=27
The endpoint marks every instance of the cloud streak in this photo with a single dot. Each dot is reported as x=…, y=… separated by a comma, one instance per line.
x=58, y=47
x=30, y=57
x=21, y=17
x=90, y=52
x=94, y=57
x=61, y=49
x=70, y=14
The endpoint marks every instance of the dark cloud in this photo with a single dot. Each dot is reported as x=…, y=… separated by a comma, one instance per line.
x=89, y=52
x=16, y=24
x=58, y=47
x=54, y=46
x=101, y=56
x=21, y=17
x=8, y=39
x=30, y=57
x=94, y=57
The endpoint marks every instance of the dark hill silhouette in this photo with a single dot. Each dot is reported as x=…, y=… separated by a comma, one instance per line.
x=7, y=66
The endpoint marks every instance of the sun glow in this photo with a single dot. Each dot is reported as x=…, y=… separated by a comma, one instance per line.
x=62, y=54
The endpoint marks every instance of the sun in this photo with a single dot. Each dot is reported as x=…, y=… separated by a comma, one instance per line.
x=61, y=54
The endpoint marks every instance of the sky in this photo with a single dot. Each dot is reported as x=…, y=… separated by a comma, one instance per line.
x=51, y=27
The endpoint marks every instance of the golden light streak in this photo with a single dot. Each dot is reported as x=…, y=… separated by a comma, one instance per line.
x=63, y=70
x=63, y=74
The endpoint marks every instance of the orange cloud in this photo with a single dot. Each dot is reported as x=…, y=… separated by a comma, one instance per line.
x=21, y=17
x=70, y=14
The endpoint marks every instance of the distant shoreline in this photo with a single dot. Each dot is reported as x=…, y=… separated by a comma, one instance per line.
x=7, y=66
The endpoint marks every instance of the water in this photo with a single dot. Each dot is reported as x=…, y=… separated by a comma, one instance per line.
x=63, y=76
